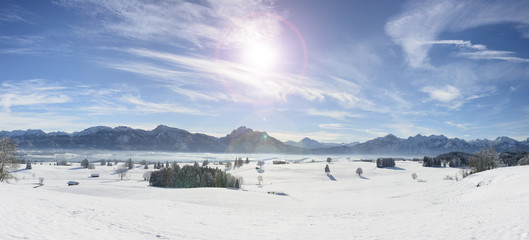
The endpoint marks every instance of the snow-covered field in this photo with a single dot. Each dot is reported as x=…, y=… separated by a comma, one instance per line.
x=383, y=204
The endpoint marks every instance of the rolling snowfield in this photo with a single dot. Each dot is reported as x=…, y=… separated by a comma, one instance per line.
x=307, y=204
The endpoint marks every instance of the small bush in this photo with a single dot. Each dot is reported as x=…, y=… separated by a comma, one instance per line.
x=414, y=175
x=448, y=177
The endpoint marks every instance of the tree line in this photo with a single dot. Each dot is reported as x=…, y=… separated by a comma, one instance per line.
x=193, y=176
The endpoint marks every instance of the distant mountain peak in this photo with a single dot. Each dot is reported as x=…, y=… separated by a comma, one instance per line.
x=91, y=130
x=242, y=130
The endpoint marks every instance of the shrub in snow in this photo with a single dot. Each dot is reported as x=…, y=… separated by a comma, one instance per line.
x=28, y=165
x=359, y=171
x=465, y=173
x=103, y=162
x=259, y=179
x=448, y=177
x=385, y=162
x=41, y=181
x=414, y=175
x=247, y=161
x=205, y=163
x=329, y=160
x=91, y=166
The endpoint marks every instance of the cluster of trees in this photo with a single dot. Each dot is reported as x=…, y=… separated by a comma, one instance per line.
x=86, y=164
x=485, y=160
x=159, y=165
x=385, y=162
x=513, y=158
x=8, y=159
x=452, y=159
x=239, y=162
x=432, y=162
x=193, y=176
x=524, y=160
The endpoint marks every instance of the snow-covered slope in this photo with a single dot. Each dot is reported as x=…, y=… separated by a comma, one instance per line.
x=383, y=204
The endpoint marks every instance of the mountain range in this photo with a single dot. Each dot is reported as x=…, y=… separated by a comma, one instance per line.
x=246, y=140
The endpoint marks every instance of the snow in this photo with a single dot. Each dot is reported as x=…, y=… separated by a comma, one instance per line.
x=383, y=204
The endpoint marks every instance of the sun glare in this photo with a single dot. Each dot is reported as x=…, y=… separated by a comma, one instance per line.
x=260, y=57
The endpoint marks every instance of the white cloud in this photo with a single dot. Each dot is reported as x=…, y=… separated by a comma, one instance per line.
x=445, y=94
x=332, y=114
x=334, y=126
x=418, y=28
x=458, y=125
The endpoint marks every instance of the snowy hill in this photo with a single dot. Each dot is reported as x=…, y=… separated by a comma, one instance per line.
x=383, y=204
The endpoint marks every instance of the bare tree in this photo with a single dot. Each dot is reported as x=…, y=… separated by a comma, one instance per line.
x=147, y=175
x=122, y=170
x=329, y=160
x=8, y=159
x=259, y=179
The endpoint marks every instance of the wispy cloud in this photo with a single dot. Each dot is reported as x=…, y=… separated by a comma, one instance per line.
x=463, y=126
x=201, y=24
x=14, y=13
x=333, y=114
x=30, y=92
x=198, y=77
x=419, y=27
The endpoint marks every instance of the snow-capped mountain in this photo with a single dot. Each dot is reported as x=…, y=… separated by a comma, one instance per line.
x=246, y=140
x=313, y=144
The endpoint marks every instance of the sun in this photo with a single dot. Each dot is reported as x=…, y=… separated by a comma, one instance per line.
x=261, y=57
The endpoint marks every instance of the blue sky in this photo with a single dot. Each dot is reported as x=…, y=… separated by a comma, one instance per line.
x=334, y=71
